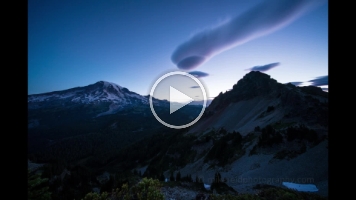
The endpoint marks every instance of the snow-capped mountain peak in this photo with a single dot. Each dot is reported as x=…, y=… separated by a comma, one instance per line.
x=113, y=95
x=102, y=93
x=99, y=91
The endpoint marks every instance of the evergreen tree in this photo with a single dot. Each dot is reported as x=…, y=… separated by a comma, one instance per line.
x=178, y=176
x=217, y=178
x=162, y=178
x=37, y=187
x=257, y=128
x=171, y=178
x=146, y=189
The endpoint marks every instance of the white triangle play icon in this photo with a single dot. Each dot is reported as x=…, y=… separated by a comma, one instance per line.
x=176, y=96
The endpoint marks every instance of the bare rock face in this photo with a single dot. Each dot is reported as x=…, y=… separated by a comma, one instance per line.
x=258, y=100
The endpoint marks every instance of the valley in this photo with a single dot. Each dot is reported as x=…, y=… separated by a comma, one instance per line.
x=259, y=134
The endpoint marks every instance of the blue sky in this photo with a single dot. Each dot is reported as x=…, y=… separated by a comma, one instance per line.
x=131, y=43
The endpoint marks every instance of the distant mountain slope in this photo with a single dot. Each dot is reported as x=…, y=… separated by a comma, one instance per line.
x=113, y=96
x=96, y=108
x=208, y=102
x=258, y=100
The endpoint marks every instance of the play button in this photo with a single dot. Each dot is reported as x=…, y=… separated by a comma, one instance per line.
x=186, y=96
x=176, y=96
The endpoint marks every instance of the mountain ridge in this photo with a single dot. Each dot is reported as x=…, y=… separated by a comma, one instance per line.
x=261, y=100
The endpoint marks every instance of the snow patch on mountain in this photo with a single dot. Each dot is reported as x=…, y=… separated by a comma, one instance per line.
x=301, y=187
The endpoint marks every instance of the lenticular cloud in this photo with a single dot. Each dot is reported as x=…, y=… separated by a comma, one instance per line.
x=199, y=74
x=296, y=83
x=260, y=20
x=264, y=68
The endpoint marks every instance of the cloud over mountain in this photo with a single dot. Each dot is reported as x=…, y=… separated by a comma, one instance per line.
x=320, y=81
x=260, y=20
x=264, y=68
x=199, y=74
x=296, y=83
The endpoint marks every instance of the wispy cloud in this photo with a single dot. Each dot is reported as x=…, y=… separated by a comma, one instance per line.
x=198, y=74
x=260, y=20
x=325, y=89
x=296, y=83
x=320, y=81
x=263, y=68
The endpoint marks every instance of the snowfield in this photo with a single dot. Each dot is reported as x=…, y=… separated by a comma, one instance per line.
x=301, y=187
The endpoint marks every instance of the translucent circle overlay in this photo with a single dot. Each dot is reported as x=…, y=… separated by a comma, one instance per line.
x=184, y=74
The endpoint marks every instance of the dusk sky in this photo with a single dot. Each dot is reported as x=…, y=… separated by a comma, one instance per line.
x=132, y=43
